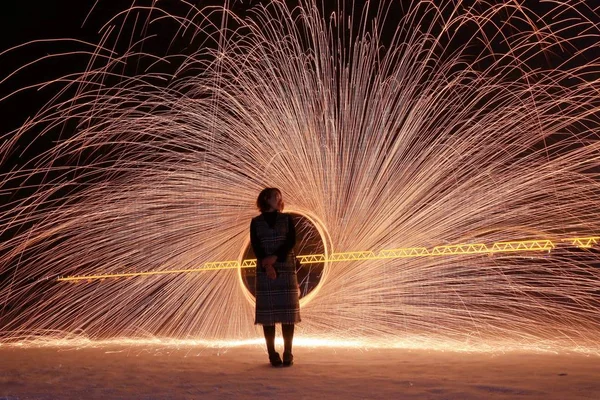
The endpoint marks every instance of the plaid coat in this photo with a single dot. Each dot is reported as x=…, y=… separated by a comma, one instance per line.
x=276, y=300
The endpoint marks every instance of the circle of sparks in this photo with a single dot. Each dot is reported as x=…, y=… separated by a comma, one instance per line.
x=309, y=240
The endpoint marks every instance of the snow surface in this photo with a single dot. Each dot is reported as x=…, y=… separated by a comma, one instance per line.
x=195, y=372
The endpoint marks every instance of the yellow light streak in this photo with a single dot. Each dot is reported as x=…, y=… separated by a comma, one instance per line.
x=583, y=242
x=409, y=252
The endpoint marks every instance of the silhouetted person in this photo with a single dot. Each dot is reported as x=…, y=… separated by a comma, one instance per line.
x=273, y=236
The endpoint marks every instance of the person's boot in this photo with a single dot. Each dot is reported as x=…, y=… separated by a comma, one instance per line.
x=275, y=359
x=288, y=359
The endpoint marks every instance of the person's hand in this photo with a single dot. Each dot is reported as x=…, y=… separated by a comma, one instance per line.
x=267, y=263
x=269, y=260
x=271, y=273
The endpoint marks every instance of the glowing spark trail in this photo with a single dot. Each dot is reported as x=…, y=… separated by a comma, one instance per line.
x=462, y=139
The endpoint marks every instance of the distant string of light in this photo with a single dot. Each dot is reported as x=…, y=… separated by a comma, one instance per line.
x=408, y=252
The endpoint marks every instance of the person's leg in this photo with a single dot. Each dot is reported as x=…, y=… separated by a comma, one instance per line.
x=274, y=358
x=269, y=331
x=288, y=336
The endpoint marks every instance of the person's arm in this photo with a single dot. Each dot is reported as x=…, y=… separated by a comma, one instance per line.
x=290, y=241
x=256, y=246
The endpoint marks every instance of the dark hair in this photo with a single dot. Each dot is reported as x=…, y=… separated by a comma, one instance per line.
x=262, y=202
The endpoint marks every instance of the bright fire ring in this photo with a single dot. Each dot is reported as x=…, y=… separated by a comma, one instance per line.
x=311, y=238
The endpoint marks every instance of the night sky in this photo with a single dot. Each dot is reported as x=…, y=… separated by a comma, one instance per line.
x=21, y=22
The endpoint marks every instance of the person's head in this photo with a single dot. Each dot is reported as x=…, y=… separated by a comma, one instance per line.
x=270, y=199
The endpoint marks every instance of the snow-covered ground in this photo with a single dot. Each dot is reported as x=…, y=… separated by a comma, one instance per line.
x=193, y=372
